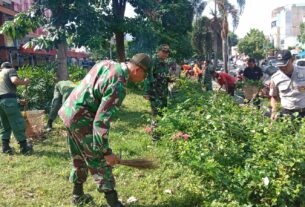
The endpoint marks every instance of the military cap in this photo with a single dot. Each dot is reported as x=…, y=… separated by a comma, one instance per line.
x=6, y=65
x=164, y=48
x=141, y=60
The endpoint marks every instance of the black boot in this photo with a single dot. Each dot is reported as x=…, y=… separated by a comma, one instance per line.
x=155, y=136
x=25, y=148
x=112, y=199
x=6, y=149
x=49, y=125
x=79, y=198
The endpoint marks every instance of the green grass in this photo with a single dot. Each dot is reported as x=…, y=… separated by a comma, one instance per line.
x=42, y=179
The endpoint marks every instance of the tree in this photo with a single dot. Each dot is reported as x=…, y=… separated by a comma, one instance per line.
x=253, y=44
x=198, y=6
x=202, y=37
x=216, y=27
x=119, y=25
x=301, y=36
x=63, y=22
x=232, y=39
x=226, y=9
x=176, y=20
x=170, y=22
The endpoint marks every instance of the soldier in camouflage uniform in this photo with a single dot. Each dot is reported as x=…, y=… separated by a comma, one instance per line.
x=87, y=114
x=207, y=75
x=62, y=90
x=156, y=85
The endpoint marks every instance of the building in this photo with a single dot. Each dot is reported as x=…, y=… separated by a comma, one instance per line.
x=285, y=25
x=13, y=50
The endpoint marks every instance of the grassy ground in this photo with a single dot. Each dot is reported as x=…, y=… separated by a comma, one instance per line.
x=42, y=179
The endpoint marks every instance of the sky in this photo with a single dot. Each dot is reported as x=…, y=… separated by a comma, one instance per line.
x=257, y=14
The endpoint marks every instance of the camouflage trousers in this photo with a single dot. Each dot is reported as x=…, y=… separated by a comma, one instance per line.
x=156, y=106
x=55, y=106
x=83, y=160
x=208, y=84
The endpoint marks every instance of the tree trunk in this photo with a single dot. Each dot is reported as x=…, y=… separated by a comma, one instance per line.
x=120, y=47
x=225, y=53
x=118, y=8
x=215, y=62
x=224, y=37
x=215, y=52
x=61, y=58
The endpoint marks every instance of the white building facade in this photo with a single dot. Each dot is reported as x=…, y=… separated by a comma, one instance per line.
x=285, y=25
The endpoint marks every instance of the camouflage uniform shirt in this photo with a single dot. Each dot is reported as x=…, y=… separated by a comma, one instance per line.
x=62, y=90
x=88, y=110
x=156, y=82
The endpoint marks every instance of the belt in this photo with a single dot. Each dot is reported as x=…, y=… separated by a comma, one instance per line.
x=295, y=110
x=8, y=95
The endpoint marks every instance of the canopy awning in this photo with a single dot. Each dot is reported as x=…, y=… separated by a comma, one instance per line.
x=70, y=53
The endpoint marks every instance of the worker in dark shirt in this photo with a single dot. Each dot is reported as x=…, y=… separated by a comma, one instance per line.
x=252, y=71
x=251, y=77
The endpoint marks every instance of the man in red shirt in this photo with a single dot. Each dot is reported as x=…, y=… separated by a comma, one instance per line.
x=226, y=80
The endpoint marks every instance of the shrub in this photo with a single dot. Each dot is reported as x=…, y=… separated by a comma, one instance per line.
x=76, y=73
x=243, y=159
x=39, y=92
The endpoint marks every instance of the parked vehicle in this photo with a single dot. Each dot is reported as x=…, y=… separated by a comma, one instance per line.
x=300, y=62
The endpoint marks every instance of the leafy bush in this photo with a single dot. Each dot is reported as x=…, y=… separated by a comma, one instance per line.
x=76, y=73
x=242, y=158
x=39, y=92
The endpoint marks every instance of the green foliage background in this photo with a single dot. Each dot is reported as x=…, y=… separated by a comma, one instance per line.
x=39, y=92
x=202, y=38
x=301, y=36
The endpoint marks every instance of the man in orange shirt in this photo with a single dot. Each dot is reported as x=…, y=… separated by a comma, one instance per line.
x=226, y=80
x=187, y=69
x=197, y=72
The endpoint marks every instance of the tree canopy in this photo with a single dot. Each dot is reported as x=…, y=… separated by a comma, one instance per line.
x=253, y=44
x=94, y=23
x=171, y=23
x=202, y=37
x=233, y=39
x=63, y=22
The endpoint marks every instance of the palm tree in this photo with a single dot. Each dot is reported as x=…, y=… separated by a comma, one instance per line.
x=219, y=22
x=198, y=6
x=216, y=28
x=225, y=9
x=202, y=37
